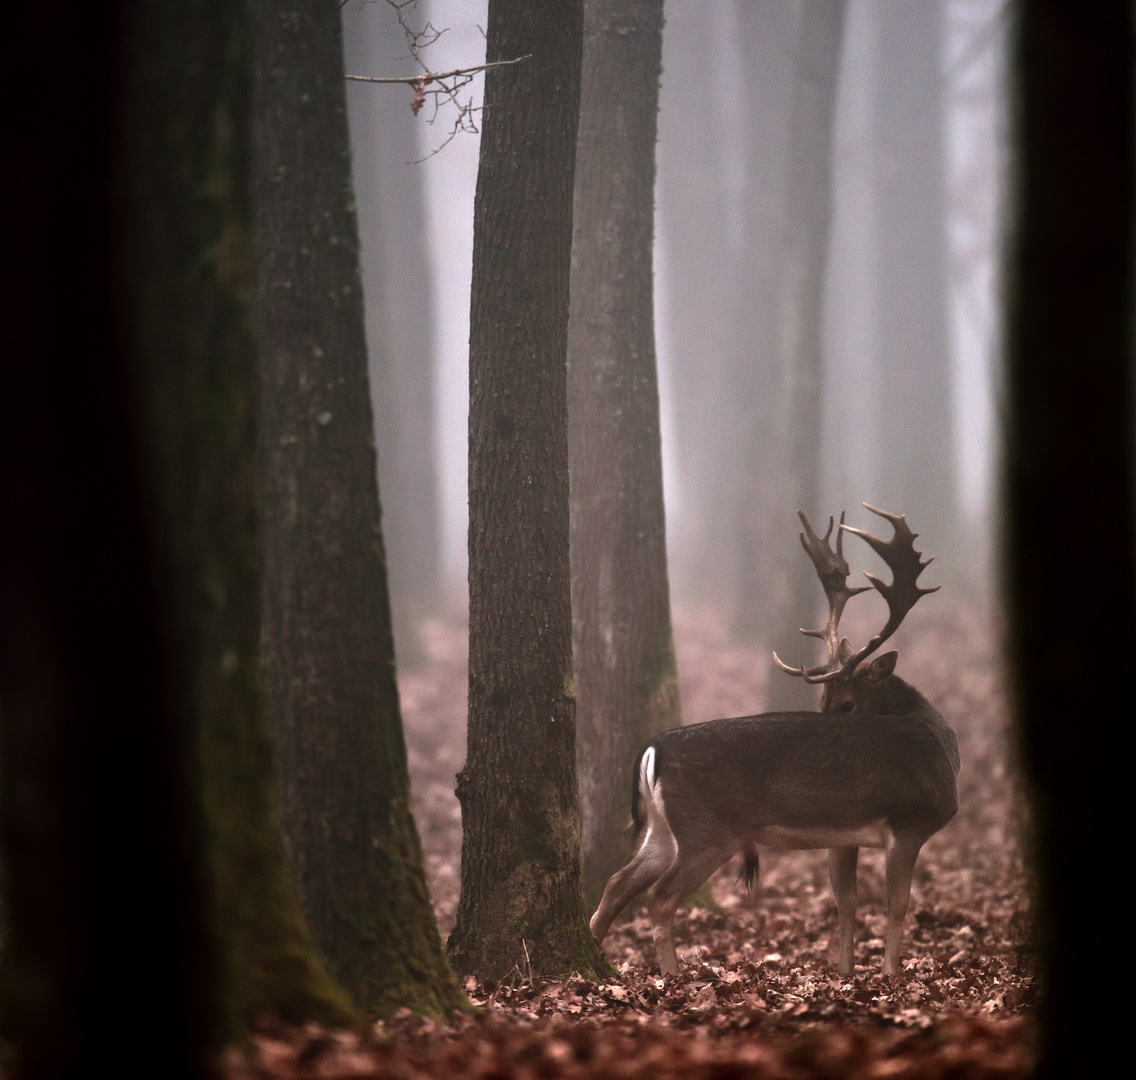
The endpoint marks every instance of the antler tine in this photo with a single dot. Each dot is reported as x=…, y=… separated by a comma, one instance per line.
x=832, y=569
x=902, y=594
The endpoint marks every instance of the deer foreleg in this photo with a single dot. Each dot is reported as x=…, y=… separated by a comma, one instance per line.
x=900, y=866
x=842, y=871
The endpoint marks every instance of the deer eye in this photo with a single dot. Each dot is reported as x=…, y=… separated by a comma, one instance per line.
x=847, y=706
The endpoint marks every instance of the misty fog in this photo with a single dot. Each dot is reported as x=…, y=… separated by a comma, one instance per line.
x=910, y=324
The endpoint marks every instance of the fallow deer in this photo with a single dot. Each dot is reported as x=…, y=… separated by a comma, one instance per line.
x=885, y=777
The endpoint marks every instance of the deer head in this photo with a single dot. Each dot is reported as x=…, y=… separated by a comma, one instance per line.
x=848, y=687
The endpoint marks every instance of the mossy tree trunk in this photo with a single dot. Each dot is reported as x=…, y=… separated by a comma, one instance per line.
x=521, y=905
x=147, y=876
x=626, y=686
x=793, y=593
x=1070, y=552
x=327, y=644
x=188, y=278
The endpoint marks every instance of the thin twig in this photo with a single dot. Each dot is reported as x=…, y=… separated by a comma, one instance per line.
x=428, y=77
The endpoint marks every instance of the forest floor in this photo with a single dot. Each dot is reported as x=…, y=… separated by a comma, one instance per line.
x=760, y=995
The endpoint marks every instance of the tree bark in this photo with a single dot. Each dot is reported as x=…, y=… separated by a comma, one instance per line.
x=794, y=594
x=521, y=905
x=396, y=288
x=1070, y=451
x=327, y=645
x=147, y=870
x=626, y=685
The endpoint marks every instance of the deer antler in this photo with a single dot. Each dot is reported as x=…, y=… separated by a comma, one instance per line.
x=832, y=569
x=902, y=594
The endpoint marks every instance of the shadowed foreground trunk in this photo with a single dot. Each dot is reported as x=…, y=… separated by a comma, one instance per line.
x=328, y=650
x=146, y=870
x=520, y=874
x=624, y=651
x=1072, y=583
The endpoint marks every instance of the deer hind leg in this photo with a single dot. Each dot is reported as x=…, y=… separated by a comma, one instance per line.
x=690, y=868
x=842, y=871
x=652, y=860
x=900, y=866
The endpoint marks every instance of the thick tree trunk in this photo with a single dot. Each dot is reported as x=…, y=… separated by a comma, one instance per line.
x=1072, y=581
x=131, y=663
x=328, y=651
x=187, y=278
x=916, y=448
x=396, y=290
x=794, y=594
x=105, y=892
x=521, y=904
x=626, y=687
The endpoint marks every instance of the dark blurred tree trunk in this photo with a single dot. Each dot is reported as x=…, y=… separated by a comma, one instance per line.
x=328, y=652
x=916, y=448
x=694, y=232
x=1070, y=452
x=766, y=31
x=793, y=594
x=520, y=877
x=626, y=686
x=146, y=869
x=396, y=287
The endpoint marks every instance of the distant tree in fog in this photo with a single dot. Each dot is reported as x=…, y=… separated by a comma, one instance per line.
x=521, y=903
x=328, y=654
x=1070, y=552
x=626, y=685
x=792, y=592
x=694, y=232
x=914, y=432
x=766, y=38
x=396, y=286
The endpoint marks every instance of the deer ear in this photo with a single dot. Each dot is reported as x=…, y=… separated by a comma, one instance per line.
x=882, y=667
x=844, y=652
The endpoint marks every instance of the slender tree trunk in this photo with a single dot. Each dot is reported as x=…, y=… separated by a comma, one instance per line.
x=795, y=596
x=914, y=383
x=626, y=687
x=396, y=289
x=328, y=650
x=521, y=903
x=1072, y=583
x=694, y=233
x=767, y=33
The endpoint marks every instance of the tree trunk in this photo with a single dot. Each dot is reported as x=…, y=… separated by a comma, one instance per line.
x=328, y=651
x=105, y=894
x=626, y=687
x=396, y=291
x=521, y=904
x=794, y=593
x=916, y=452
x=1072, y=581
x=767, y=33
x=140, y=820
x=695, y=237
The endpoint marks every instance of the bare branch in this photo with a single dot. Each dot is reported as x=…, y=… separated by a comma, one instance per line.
x=429, y=77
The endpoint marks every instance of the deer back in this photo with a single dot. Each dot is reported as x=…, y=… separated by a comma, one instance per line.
x=807, y=774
